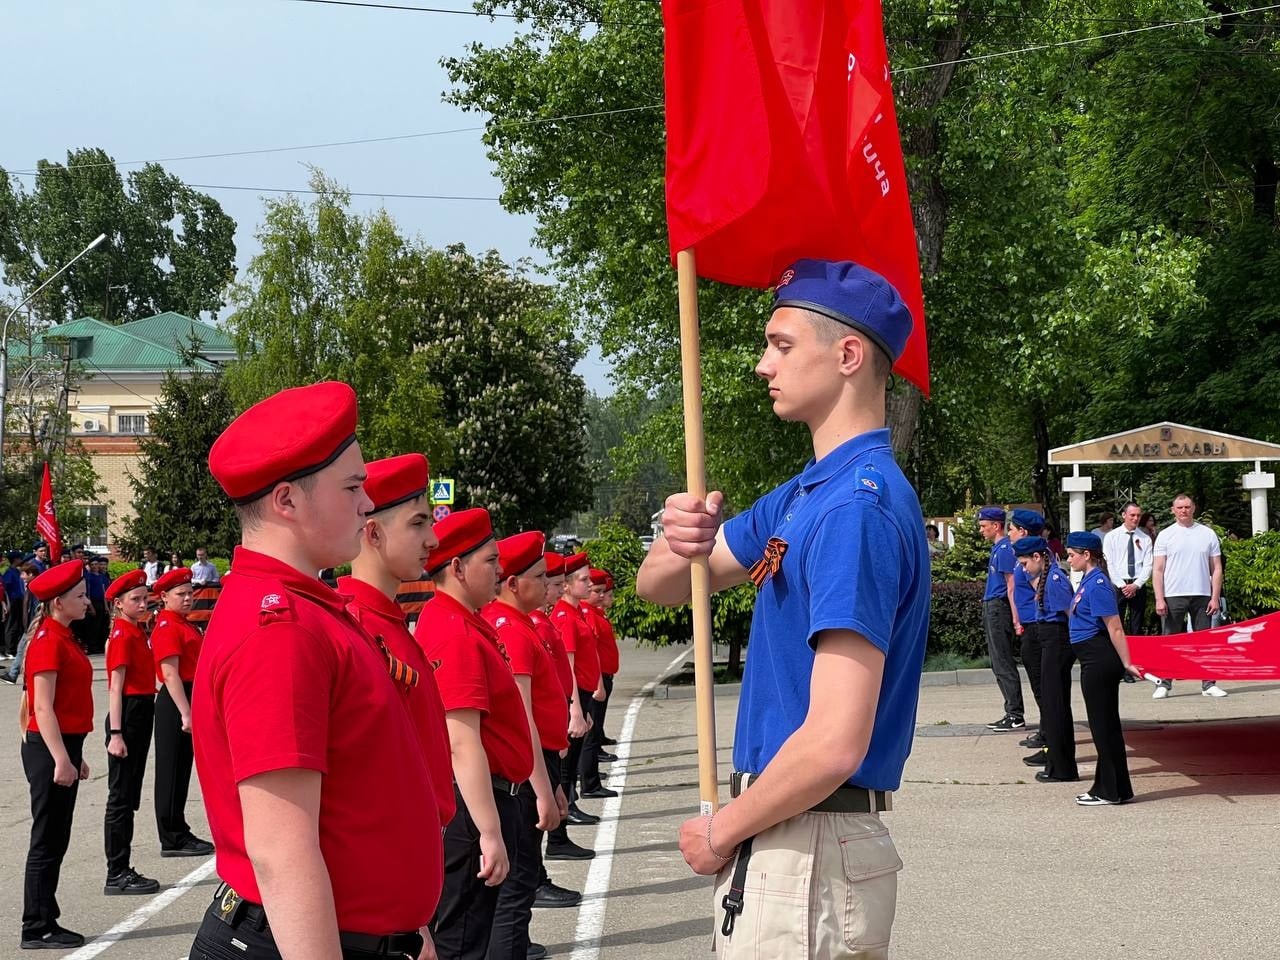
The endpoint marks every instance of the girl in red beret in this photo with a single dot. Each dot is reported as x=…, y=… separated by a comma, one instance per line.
x=60, y=692
x=131, y=699
x=175, y=647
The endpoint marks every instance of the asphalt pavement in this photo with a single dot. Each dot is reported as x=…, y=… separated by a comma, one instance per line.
x=996, y=865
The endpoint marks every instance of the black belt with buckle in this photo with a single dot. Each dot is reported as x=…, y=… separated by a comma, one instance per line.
x=235, y=911
x=503, y=785
x=846, y=799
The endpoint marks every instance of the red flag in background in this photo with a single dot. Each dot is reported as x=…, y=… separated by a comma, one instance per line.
x=782, y=142
x=47, y=519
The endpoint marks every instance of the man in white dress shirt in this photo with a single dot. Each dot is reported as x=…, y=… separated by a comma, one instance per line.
x=1187, y=573
x=1128, y=552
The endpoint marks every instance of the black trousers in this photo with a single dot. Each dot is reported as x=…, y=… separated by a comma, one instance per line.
x=1032, y=654
x=569, y=767
x=52, y=809
x=1101, y=673
x=1057, y=724
x=124, y=779
x=174, y=758
x=13, y=626
x=589, y=758
x=997, y=621
x=514, y=912
x=553, y=761
x=604, y=707
x=1132, y=611
x=216, y=940
x=463, y=923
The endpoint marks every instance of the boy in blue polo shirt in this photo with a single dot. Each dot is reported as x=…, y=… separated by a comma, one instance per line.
x=828, y=702
x=1000, y=619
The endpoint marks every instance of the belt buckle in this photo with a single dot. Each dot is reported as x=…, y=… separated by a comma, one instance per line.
x=514, y=789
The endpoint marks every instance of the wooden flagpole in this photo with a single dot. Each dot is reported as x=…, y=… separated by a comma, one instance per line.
x=700, y=573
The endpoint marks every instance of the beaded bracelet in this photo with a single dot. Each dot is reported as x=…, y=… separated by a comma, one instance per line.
x=710, y=820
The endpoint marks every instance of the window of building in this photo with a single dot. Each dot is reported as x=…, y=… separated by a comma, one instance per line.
x=133, y=423
x=97, y=535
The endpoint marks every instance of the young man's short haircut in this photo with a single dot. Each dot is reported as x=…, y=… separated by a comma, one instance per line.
x=830, y=330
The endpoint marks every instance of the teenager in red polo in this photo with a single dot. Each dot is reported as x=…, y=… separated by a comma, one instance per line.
x=542, y=800
x=175, y=647
x=131, y=695
x=597, y=604
x=488, y=731
x=542, y=621
x=59, y=691
x=313, y=774
x=398, y=538
x=579, y=642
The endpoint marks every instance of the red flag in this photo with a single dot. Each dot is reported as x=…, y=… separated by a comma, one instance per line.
x=782, y=143
x=1234, y=651
x=47, y=520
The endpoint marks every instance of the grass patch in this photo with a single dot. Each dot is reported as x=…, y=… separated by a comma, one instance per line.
x=954, y=661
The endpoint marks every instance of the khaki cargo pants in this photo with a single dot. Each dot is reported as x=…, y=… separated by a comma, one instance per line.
x=820, y=885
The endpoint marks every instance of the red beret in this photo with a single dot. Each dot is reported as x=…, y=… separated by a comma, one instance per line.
x=286, y=437
x=598, y=577
x=174, y=578
x=460, y=533
x=608, y=581
x=574, y=562
x=56, y=581
x=555, y=564
x=396, y=480
x=517, y=554
x=126, y=582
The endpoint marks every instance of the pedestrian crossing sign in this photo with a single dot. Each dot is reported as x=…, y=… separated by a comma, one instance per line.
x=442, y=490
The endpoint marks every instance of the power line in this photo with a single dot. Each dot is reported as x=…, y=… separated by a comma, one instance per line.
x=983, y=57
x=474, y=13
x=534, y=121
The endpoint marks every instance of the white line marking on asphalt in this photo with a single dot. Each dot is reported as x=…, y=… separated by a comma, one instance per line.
x=591, y=914
x=144, y=913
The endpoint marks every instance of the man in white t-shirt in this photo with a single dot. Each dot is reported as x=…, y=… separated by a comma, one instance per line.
x=1187, y=574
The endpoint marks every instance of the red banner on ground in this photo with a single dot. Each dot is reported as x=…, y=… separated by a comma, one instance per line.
x=782, y=143
x=1234, y=651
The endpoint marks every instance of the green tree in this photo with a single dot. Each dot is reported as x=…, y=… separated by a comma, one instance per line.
x=169, y=247
x=461, y=357
x=178, y=504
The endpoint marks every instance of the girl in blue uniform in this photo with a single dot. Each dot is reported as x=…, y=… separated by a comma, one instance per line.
x=1051, y=601
x=1099, y=643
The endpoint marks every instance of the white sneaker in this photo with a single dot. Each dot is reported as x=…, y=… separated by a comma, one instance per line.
x=1161, y=692
x=1213, y=691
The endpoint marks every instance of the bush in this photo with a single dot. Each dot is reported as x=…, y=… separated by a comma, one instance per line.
x=955, y=620
x=1251, y=575
x=967, y=557
x=117, y=567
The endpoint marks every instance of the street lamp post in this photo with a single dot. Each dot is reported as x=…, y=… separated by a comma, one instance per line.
x=4, y=340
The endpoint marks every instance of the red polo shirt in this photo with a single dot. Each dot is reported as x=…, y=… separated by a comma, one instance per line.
x=473, y=674
x=606, y=641
x=579, y=641
x=551, y=637
x=127, y=647
x=174, y=636
x=530, y=657
x=288, y=680
x=54, y=650
x=383, y=619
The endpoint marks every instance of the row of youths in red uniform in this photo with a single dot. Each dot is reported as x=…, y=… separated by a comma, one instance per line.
x=342, y=797
x=57, y=716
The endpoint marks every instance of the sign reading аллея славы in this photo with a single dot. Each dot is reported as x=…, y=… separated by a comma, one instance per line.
x=1165, y=442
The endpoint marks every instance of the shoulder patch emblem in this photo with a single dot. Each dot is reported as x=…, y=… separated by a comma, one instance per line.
x=868, y=482
x=501, y=621
x=270, y=600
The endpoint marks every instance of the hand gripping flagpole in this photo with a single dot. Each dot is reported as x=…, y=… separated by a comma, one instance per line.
x=700, y=571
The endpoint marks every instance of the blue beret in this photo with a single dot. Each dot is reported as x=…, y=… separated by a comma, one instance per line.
x=1028, y=520
x=991, y=513
x=1083, y=540
x=1025, y=546
x=851, y=294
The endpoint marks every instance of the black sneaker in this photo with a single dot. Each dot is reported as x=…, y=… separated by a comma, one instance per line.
x=607, y=757
x=1007, y=724
x=5, y=678
x=1043, y=776
x=550, y=896
x=1033, y=742
x=1038, y=759
x=580, y=818
x=55, y=939
x=599, y=793
x=536, y=951
x=567, y=851
x=130, y=882
x=191, y=847
x=608, y=741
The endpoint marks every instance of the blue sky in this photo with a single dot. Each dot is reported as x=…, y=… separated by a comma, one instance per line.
x=147, y=80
